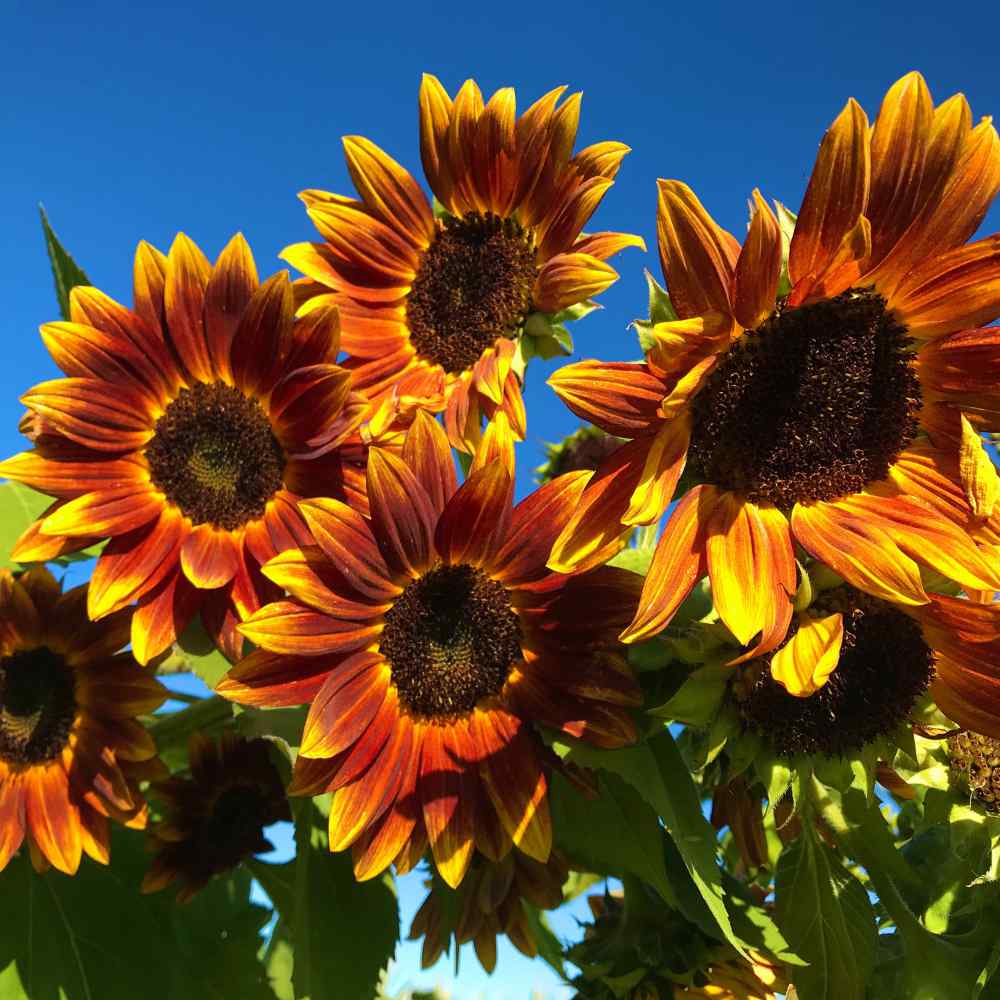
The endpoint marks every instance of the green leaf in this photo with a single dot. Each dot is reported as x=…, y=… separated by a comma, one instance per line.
x=786, y=221
x=698, y=698
x=65, y=271
x=285, y=724
x=576, y=312
x=19, y=508
x=200, y=654
x=90, y=937
x=655, y=769
x=825, y=914
x=549, y=948
x=278, y=881
x=636, y=560
x=171, y=732
x=344, y=931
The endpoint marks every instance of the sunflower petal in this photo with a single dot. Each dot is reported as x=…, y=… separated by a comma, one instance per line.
x=162, y=616
x=263, y=335
x=568, y=278
x=184, y=301
x=448, y=797
x=622, y=398
x=274, y=680
x=105, y=512
x=755, y=282
x=402, y=514
x=227, y=295
x=803, y=665
x=660, y=472
x=435, y=116
x=51, y=818
x=287, y=627
x=476, y=519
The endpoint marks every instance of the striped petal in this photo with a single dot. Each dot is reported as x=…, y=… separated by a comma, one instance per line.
x=568, y=278
x=660, y=472
x=263, y=335
x=427, y=453
x=448, y=796
x=95, y=414
x=605, y=245
x=345, y=705
x=678, y=563
x=859, y=551
x=106, y=512
x=402, y=514
x=184, y=302
x=803, y=665
x=477, y=517
x=149, y=279
x=697, y=256
x=51, y=818
x=534, y=526
x=228, y=293
x=755, y=282
x=346, y=538
x=287, y=627
x=273, y=680
x=389, y=191
x=595, y=532
x=71, y=478
x=836, y=195
x=622, y=398
x=11, y=817
x=435, y=116
x=162, y=616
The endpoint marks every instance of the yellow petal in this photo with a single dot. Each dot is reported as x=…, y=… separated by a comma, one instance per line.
x=803, y=665
x=979, y=475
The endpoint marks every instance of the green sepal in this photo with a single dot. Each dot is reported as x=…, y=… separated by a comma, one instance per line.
x=786, y=222
x=66, y=273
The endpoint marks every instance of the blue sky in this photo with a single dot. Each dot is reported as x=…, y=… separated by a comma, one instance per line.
x=133, y=121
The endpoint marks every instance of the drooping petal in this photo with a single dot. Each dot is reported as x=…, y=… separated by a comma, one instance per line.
x=678, y=563
x=51, y=818
x=595, y=532
x=568, y=278
x=836, y=195
x=859, y=551
x=274, y=680
x=11, y=817
x=660, y=472
x=803, y=665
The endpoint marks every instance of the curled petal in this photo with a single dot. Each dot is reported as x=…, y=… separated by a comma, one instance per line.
x=621, y=398
x=568, y=278
x=803, y=665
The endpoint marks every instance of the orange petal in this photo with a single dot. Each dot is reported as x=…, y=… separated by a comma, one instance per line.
x=836, y=195
x=696, y=255
x=949, y=218
x=287, y=627
x=403, y=518
x=755, y=283
x=841, y=269
x=11, y=817
x=133, y=564
x=949, y=133
x=427, y=453
x=96, y=414
x=621, y=398
x=678, y=563
x=535, y=523
x=263, y=335
x=515, y=783
x=564, y=228
x=660, y=472
x=476, y=518
x=497, y=446
x=595, y=532
x=951, y=291
x=859, y=551
x=227, y=295
x=605, y=245
x=275, y=680
x=448, y=796
x=899, y=144
x=435, y=116
x=162, y=616
x=978, y=710
x=71, y=478
x=106, y=512
x=50, y=817
x=315, y=337
x=210, y=557
x=803, y=665
x=345, y=705
x=149, y=278
x=568, y=278
x=346, y=538
x=389, y=191
x=979, y=475
x=184, y=301
x=306, y=404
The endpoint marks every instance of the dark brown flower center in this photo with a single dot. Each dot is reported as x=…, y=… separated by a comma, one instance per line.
x=37, y=706
x=450, y=639
x=885, y=665
x=813, y=405
x=215, y=456
x=234, y=829
x=473, y=285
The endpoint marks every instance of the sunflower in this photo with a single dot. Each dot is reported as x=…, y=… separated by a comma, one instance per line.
x=71, y=750
x=215, y=818
x=842, y=411
x=432, y=308
x=853, y=666
x=185, y=432
x=490, y=904
x=427, y=640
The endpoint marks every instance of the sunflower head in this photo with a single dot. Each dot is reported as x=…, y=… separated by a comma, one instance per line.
x=71, y=750
x=818, y=384
x=215, y=818
x=488, y=904
x=850, y=670
x=975, y=767
x=185, y=432
x=428, y=640
x=584, y=450
x=434, y=303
